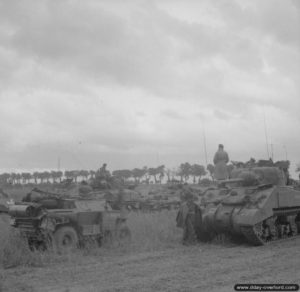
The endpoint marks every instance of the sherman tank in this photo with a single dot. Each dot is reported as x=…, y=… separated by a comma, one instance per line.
x=255, y=204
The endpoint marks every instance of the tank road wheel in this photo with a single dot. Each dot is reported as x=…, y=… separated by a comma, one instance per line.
x=275, y=228
x=65, y=238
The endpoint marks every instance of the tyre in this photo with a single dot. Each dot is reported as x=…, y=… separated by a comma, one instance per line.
x=65, y=238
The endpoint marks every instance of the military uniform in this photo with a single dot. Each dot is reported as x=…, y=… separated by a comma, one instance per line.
x=220, y=160
x=189, y=218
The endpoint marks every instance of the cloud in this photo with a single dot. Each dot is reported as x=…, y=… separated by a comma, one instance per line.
x=129, y=79
x=171, y=114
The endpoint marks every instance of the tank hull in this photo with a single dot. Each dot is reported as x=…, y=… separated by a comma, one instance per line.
x=254, y=213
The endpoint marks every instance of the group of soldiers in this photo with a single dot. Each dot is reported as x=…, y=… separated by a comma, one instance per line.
x=189, y=217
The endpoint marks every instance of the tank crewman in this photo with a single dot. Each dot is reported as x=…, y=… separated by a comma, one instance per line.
x=220, y=160
x=189, y=218
x=102, y=178
x=103, y=172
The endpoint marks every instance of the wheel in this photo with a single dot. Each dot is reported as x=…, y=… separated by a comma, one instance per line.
x=65, y=238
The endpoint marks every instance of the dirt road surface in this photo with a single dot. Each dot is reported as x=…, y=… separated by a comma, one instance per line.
x=204, y=267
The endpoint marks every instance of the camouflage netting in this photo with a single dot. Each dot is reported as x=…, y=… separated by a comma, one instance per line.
x=260, y=175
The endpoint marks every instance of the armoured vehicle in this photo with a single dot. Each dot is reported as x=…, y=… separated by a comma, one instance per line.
x=256, y=204
x=48, y=219
x=160, y=202
x=4, y=198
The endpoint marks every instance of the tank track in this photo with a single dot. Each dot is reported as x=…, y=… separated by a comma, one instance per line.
x=273, y=229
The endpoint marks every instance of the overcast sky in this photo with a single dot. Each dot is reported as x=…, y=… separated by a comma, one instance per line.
x=134, y=83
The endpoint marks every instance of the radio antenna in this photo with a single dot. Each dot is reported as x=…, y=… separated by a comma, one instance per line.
x=266, y=134
x=204, y=142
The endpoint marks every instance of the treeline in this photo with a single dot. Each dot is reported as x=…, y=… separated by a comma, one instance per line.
x=45, y=176
x=183, y=173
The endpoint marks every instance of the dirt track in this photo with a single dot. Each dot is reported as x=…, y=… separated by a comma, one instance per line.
x=205, y=267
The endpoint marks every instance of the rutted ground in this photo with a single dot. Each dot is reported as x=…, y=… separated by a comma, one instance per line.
x=204, y=267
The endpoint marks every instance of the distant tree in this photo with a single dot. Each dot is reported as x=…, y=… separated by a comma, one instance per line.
x=146, y=175
x=197, y=170
x=92, y=173
x=56, y=175
x=4, y=178
x=46, y=176
x=157, y=173
x=145, y=171
x=123, y=174
x=298, y=169
x=40, y=177
x=152, y=172
x=126, y=173
x=18, y=178
x=184, y=171
x=13, y=177
x=173, y=174
x=168, y=172
x=211, y=169
x=26, y=176
x=22, y=178
x=138, y=173
x=75, y=174
x=68, y=174
x=53, y=175
x=35, y=176
x=160, y=170
x=59, y=175
x=84, y=174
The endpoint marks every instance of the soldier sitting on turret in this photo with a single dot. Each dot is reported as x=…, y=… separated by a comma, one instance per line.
x=103, y=172
x=103, y=178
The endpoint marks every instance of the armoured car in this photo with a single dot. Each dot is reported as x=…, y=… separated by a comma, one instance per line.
x=66, y=223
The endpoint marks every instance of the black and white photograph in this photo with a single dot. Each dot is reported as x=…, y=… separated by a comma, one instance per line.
x=149, y=145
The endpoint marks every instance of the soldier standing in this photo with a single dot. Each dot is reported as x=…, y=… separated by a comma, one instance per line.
x=189, y=218
x=220, y=160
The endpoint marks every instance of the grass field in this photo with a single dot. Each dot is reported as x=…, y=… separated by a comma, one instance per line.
x=154, y=261
x=150, y=232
